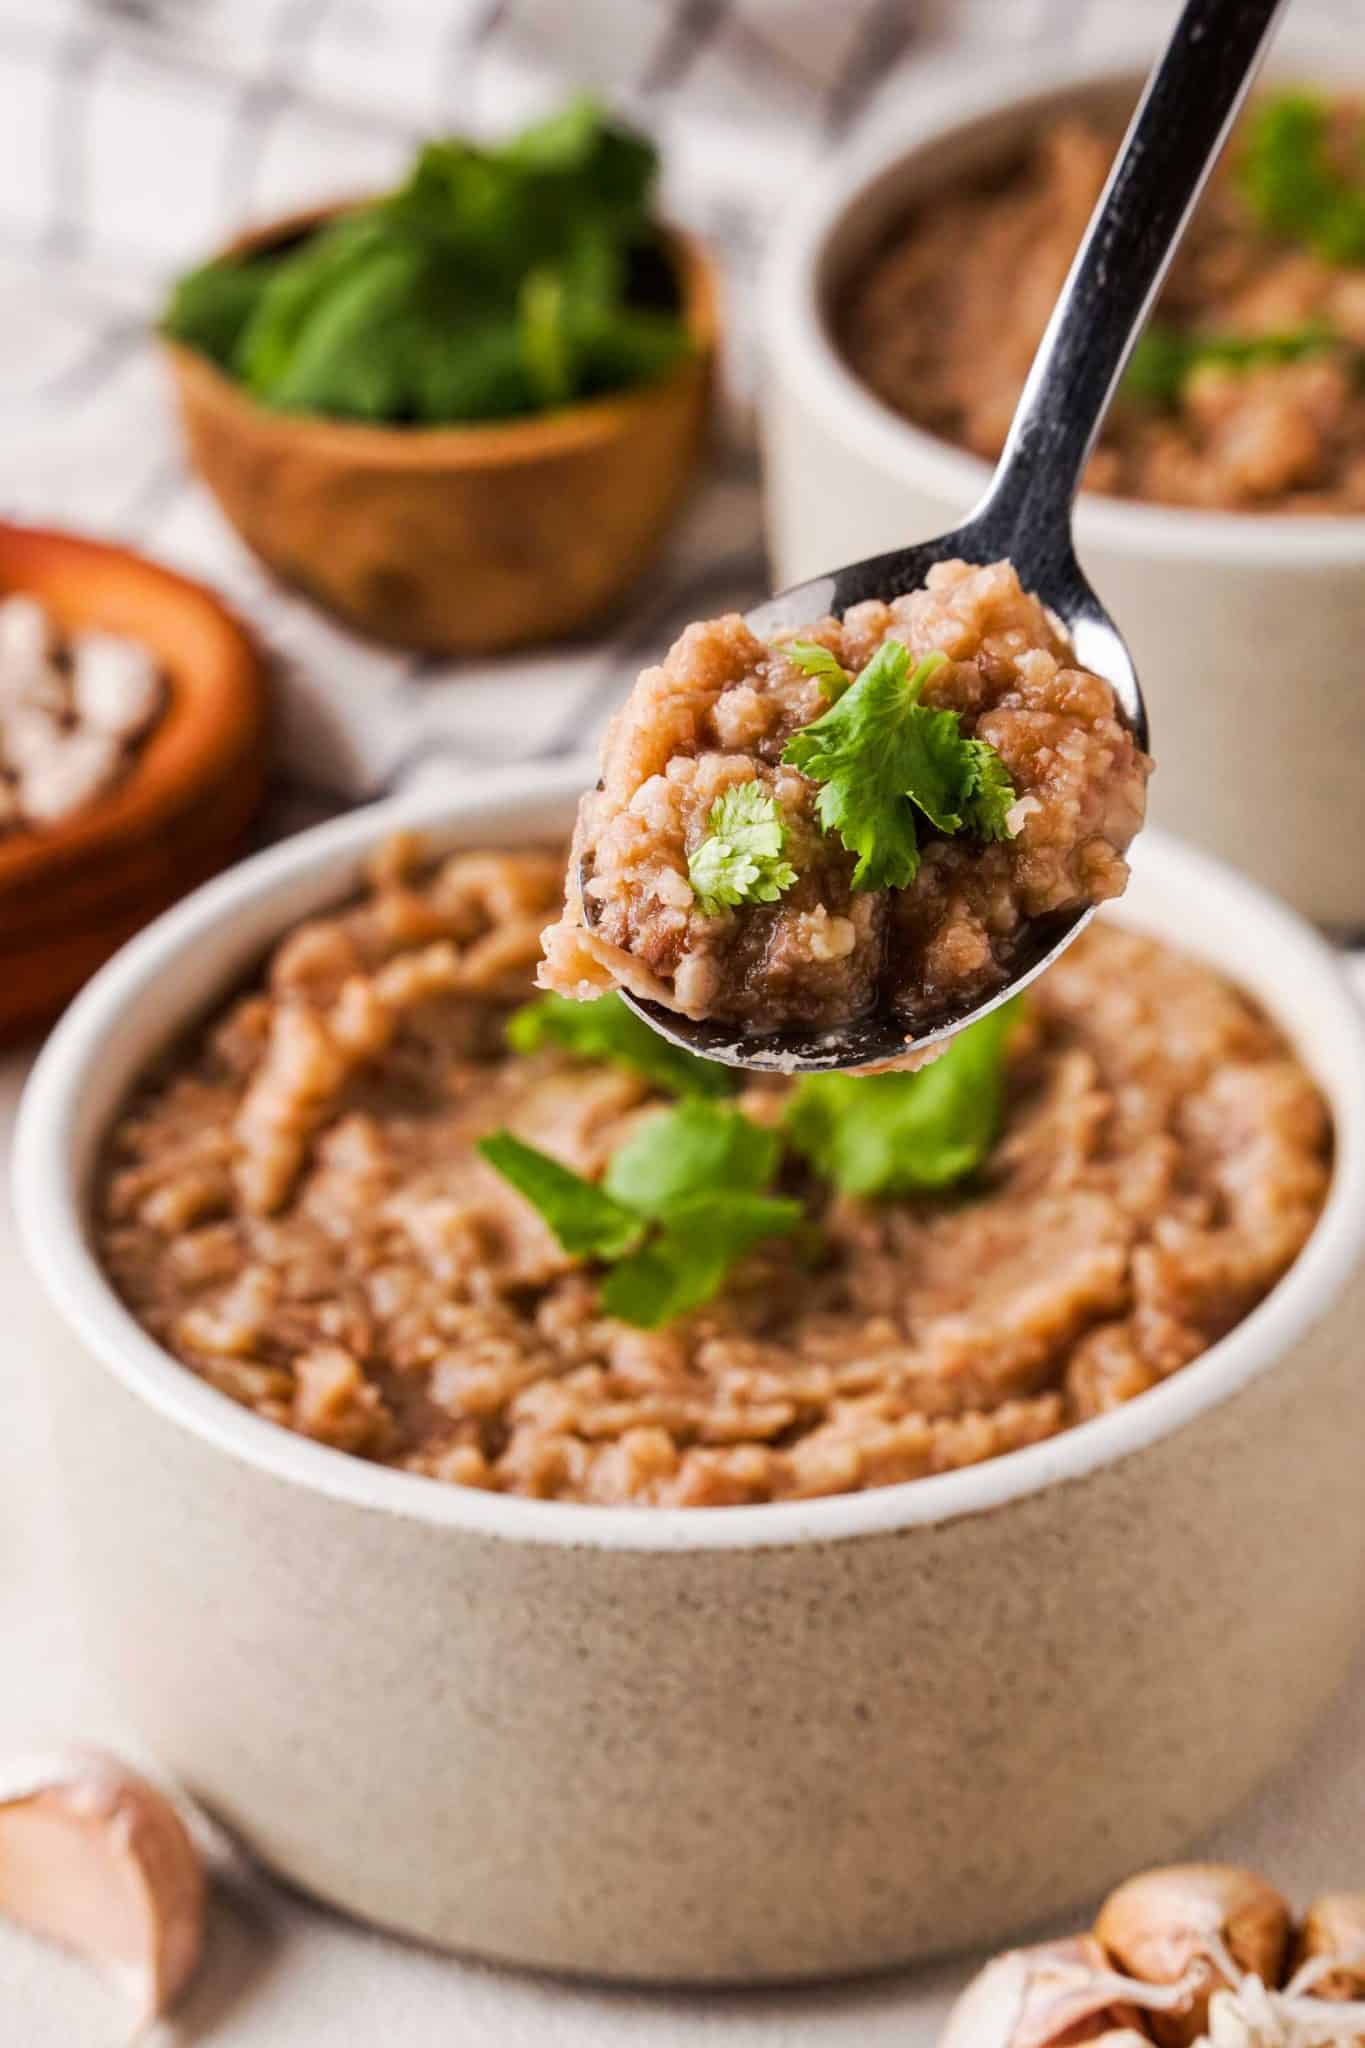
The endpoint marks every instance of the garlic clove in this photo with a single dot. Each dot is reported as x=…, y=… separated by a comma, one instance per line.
x=26, y=635
x=1194, y=1918
x=1334, y=1925
x=1057, y=1992
x=44, y=687
x=75, y=769
x=116, y=686
x=95, y=1858
x=29, y=734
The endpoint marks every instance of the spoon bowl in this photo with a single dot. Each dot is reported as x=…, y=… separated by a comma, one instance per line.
x=1174, y=139
x=879, y=1038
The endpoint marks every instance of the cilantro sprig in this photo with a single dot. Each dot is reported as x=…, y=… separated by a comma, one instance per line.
x=679, y=1205
x=1292, y=185
x=906, y=1134
x=608, y=1029
x=881, y=756
x=689, y=1195
x=740, y=859
x=1166, y=357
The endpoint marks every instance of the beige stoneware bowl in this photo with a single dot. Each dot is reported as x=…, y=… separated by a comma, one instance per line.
x=709, y=1745
x=1246, y=628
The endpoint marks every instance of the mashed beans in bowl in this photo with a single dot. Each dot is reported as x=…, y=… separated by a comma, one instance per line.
x=1246, y=393
x=318, y=1204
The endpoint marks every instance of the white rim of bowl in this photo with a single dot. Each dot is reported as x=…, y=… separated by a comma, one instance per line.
x=53, y=1235
x=796, y=335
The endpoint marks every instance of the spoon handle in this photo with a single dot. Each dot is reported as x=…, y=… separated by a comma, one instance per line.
x=1181, y=122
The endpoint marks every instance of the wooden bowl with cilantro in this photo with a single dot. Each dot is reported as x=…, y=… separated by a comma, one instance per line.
x=461, y=415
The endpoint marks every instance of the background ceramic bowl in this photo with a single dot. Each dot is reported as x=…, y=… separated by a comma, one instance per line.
x=457, y=539
x=725, y=1744
x=1246, y=628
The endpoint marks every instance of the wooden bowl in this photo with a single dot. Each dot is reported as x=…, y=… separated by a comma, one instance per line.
x=71, y=893
x=457, y=539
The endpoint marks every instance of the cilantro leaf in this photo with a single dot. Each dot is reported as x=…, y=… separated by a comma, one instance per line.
x=902, y=1134
x=686, y=1262
x=586, y=1220
x=817, y=661
x=211, y=307
x=1165, y=356
x=880, y=755
x=740, y=859
x=301, y=282
x=1291, y=183
x=546, y=348
x=349, y=360
x=680, y=1204
x=989, y=794
x=697, y=1149
x=610, y=1030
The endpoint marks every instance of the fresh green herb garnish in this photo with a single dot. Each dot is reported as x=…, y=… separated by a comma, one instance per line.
x=740, y=860
x=680, y=1204
x=988, y=795
x=587, y=1222
x=494, y=282
x=1291, y=183
x=904, y=1134
x=881, y=755
x=610, y=1030
x=817, y=661
x=1165, y=357
x=211, y=307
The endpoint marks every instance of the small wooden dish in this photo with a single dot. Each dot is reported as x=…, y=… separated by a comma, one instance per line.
x=457, y=540
x=70, y=894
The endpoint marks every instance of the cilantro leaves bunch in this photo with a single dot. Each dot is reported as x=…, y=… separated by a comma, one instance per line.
x=690, y=1194
x=679, y=1205
x=1292, y=184
x=882, y=757
x=740, y=859
x=495, y=282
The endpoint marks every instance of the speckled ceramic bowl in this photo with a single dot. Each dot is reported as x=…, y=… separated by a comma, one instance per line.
x=727, y=1744
x=1246, y=627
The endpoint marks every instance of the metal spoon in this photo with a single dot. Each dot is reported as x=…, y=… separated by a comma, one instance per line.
x=1190, y=102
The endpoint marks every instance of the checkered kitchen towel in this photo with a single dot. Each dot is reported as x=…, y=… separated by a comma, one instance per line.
x=135, y=134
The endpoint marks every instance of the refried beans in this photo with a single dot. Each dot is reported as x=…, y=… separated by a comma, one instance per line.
x=944, y=321
x=293, y=1205
x=718, y=714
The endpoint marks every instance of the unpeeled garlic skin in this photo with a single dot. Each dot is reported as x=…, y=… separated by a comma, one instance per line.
x=1334, y=1925
x=1057, y=1992
x=1166, y=1923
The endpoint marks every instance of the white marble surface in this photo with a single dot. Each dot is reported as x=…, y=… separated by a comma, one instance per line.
x=282, y=1974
